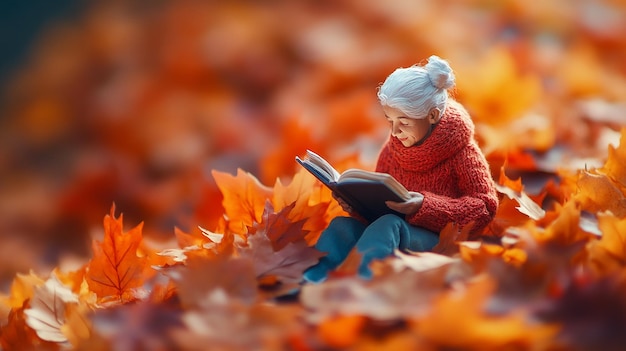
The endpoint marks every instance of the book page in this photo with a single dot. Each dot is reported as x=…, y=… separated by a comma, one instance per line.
x=322, y=164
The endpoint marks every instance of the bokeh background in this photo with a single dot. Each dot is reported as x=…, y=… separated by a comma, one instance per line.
x=135, y=102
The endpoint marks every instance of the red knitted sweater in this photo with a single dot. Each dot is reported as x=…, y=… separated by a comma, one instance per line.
x=450, y=171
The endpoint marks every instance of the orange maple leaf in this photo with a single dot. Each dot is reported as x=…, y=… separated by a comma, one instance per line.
x=615, y=166
x=279, y=229
x=310, y=201
x=115, y=269
x=514, y=190
x=476, y=329
x=608, y=255
x=17, y=335
x=244, y=198
x=597, y=193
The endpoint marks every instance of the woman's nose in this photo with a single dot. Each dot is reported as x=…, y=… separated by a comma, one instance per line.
x=395, y=130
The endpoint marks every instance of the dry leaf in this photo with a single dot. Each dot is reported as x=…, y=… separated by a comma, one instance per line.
x=16, y=335
x=607, y=255
x=514, y=190
x=115, y=269
x=244, y=198
x=22, y=289
x=78, y=327
x=449, y=237
x=394, y=296
x=201, y=279
x=615, y=166
x=423, y=261
x=286, y=265
x=46, y=314
x=464, y=312
x=598, y=193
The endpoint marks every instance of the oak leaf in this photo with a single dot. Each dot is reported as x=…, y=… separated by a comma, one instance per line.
x=46, y=314
x=115, y=269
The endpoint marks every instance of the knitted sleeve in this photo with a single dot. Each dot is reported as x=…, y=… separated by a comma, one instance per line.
x=477, y=202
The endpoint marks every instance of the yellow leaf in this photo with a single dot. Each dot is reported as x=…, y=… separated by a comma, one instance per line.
x=22, y=288
x=77, y=327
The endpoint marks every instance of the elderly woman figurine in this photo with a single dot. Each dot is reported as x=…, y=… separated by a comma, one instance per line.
x=432, y=152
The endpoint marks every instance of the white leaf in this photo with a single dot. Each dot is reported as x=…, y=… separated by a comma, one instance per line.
x=46, y=314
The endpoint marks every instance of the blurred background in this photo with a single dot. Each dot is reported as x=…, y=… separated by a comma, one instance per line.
x=135, y=102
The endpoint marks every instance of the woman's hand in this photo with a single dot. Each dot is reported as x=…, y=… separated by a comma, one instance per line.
x=343, y=204
x=410, y=206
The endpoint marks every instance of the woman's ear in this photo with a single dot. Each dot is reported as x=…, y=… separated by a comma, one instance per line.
x=434, y=115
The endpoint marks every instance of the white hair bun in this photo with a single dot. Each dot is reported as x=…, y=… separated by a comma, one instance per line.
x=439, y=72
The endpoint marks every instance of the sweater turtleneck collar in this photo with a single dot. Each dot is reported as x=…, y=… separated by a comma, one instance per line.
x=453, y=132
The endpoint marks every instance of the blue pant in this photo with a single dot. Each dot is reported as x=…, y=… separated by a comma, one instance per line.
x=377, y=240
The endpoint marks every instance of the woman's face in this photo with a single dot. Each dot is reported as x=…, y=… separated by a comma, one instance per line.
x=408, y=130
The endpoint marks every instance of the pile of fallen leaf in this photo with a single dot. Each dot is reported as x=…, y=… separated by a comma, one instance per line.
x=187, y=116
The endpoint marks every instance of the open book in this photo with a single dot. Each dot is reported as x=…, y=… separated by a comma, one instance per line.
x=365, y=191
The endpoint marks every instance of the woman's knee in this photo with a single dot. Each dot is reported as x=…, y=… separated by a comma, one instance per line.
x=340, y=230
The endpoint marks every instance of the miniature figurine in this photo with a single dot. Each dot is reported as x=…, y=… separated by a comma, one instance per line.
x=432, y=152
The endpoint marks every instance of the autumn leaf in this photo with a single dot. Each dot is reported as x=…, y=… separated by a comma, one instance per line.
x=392, y=296
x=479, y=254
x=514, y=190
x=23, y=288
x=231, y=324
x=449, y=237
x=490, y=83
x=615, y=166
x=279, y=229
x=46, y=313
x=477, y=329
x=597, y=193
x=286, y=264
x=244, y=198
x=341, y=331
x=239, y=283
x=423, y=261
x=115, y=270
x=139, y=326
x=77, y=327
x=608, y=254
x=16, y=335
x=311, y=202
